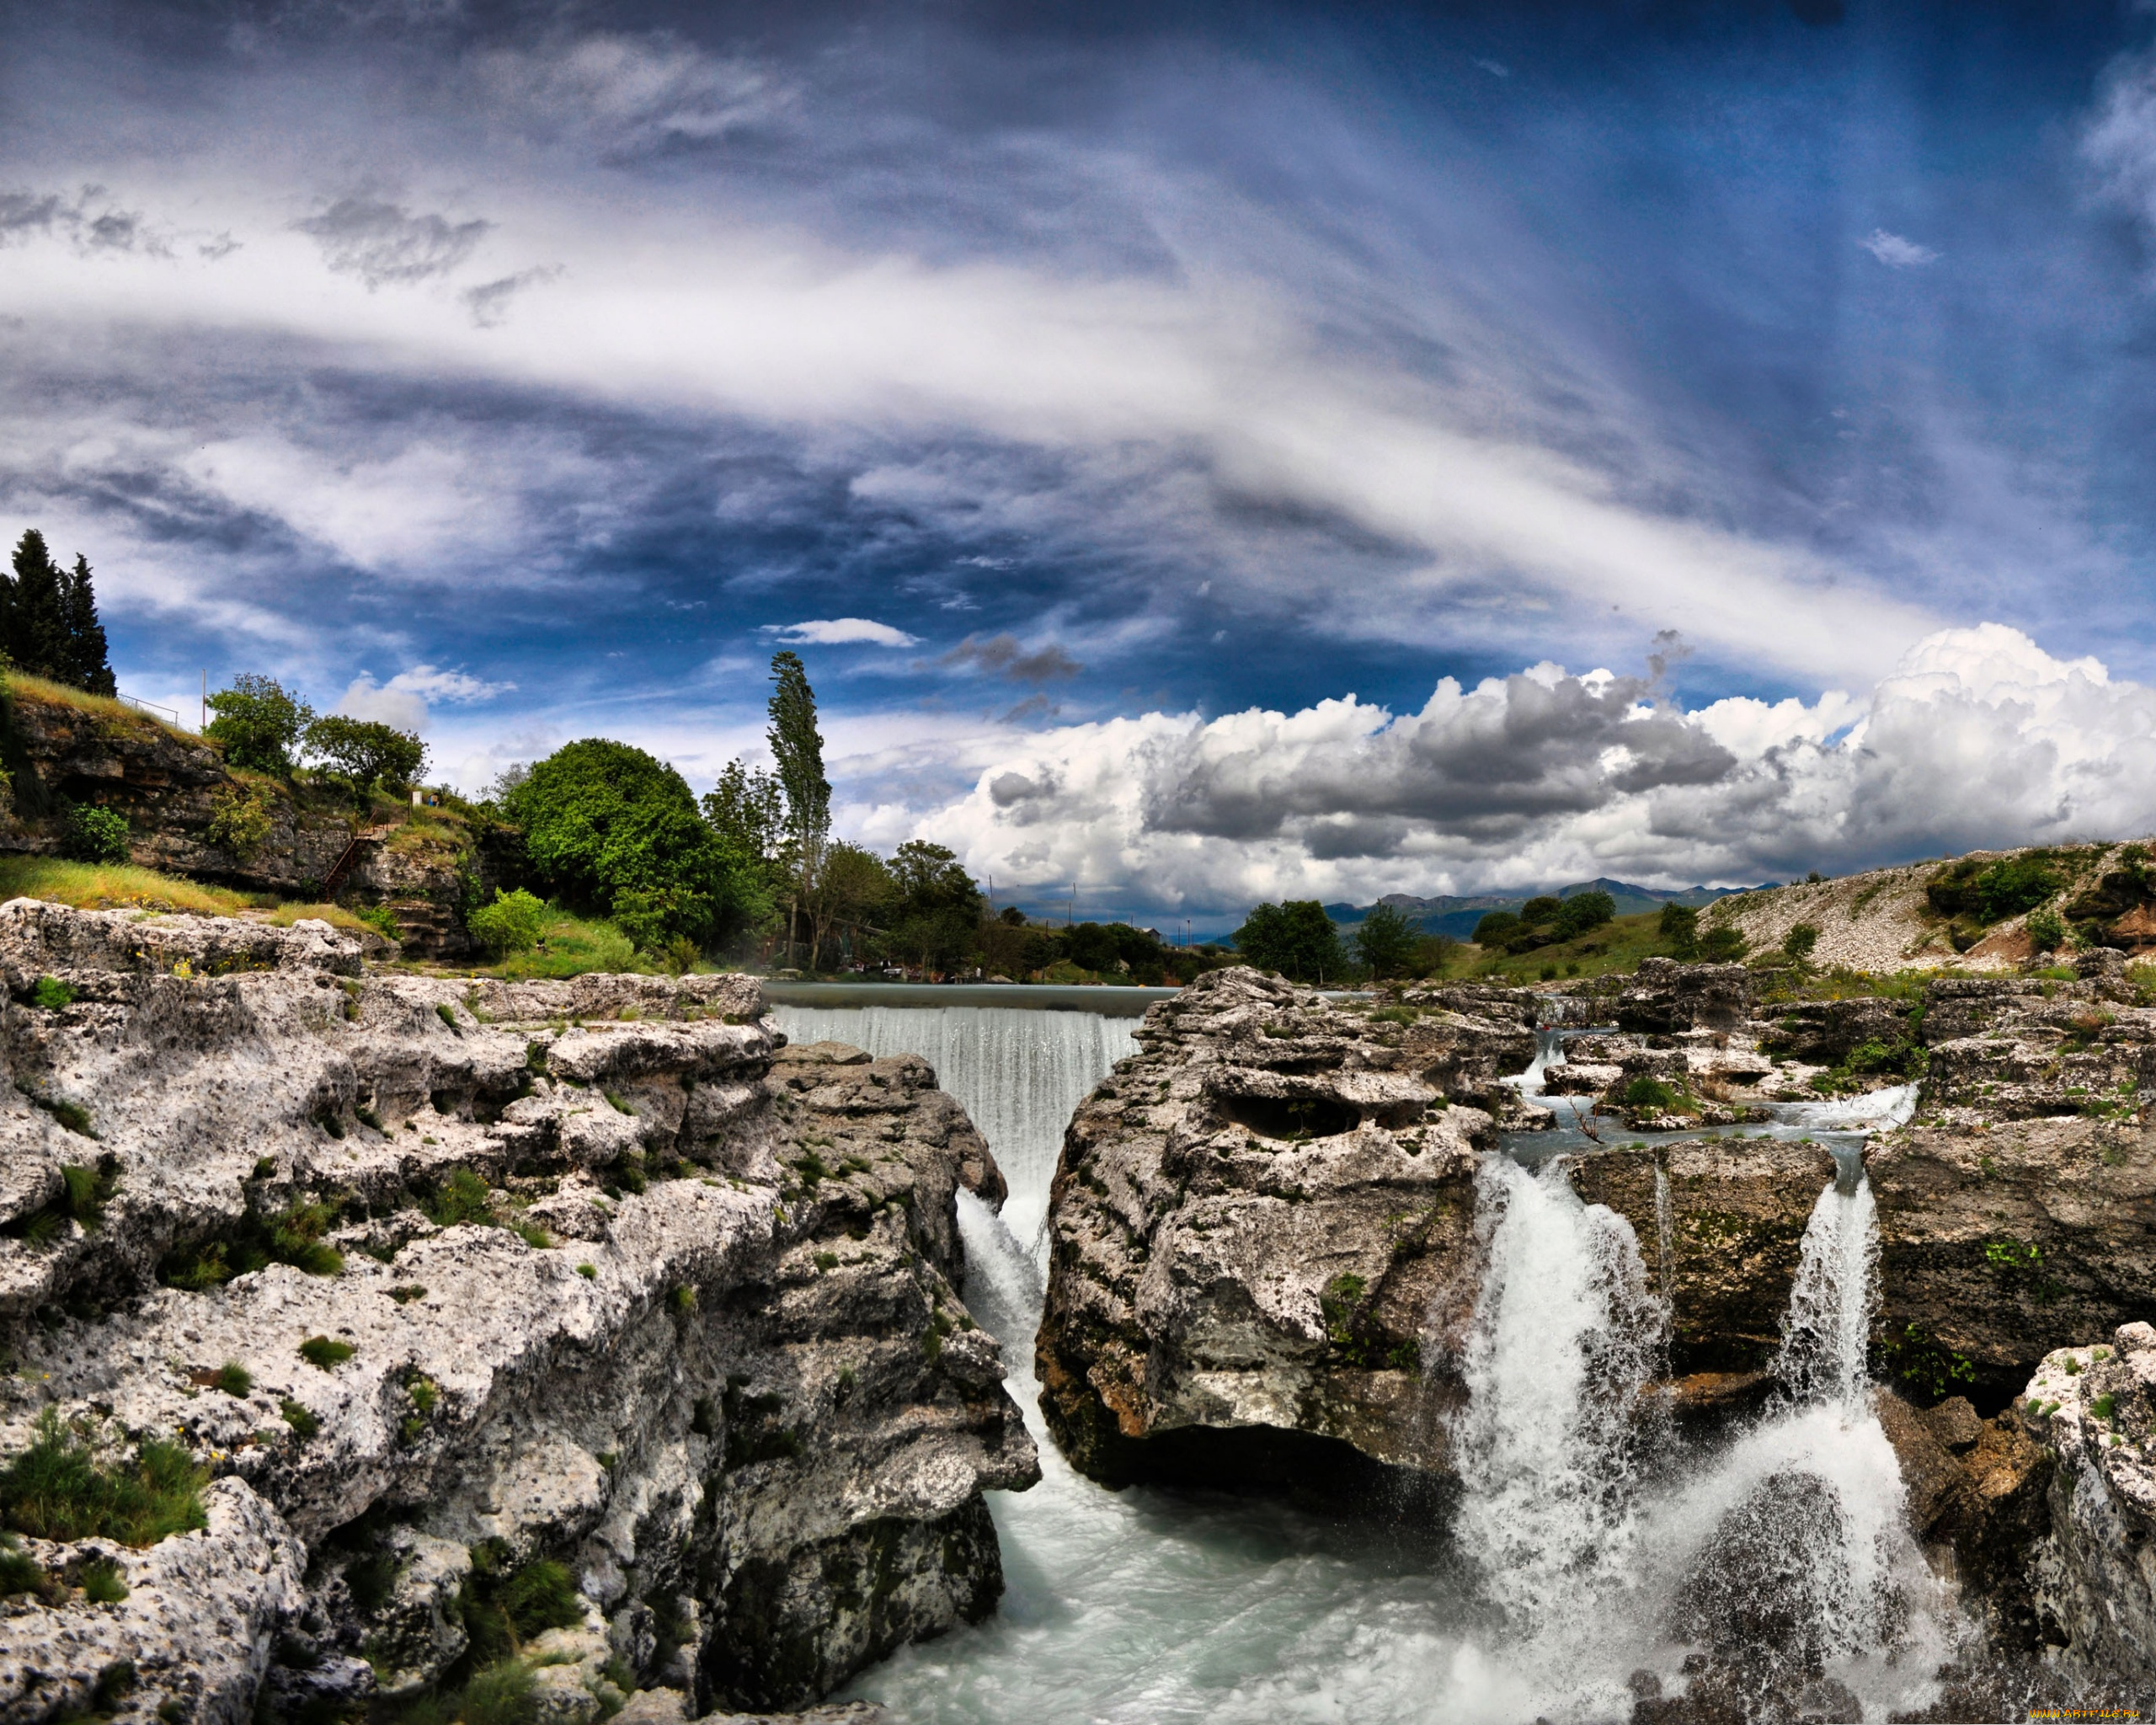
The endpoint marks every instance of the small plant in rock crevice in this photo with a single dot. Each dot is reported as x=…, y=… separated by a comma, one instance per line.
x=59, y=1489
x=326, y=1352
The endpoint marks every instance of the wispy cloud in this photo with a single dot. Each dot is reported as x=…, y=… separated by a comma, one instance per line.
x=1895, y=252
x=382, y=243
x=1002, y=656
x=841, y=632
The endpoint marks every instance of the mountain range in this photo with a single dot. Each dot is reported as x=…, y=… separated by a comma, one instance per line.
x=1457, y=915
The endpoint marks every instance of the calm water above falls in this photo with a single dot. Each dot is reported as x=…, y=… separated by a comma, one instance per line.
x=1574, y=1539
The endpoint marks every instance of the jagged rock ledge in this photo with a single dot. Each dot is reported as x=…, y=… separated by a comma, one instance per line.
x=1261, y=1259
x=627, y=1286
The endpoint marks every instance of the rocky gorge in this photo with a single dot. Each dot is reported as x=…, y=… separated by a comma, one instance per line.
x=575, y=1338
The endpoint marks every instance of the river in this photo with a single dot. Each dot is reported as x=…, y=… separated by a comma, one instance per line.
x=1578, y=1550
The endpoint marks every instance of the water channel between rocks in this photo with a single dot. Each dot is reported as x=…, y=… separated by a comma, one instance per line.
x=1579, y=1549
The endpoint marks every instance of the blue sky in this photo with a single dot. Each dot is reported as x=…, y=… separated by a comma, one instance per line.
x=1134, y=415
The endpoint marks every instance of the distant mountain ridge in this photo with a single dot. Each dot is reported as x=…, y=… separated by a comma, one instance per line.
x=1457, y=915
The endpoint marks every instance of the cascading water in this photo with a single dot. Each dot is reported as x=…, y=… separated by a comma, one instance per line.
x=1590, y=1542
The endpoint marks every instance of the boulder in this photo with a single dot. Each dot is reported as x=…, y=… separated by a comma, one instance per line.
x=1262, y=1229
x=611, y=1286
x=1666, y=997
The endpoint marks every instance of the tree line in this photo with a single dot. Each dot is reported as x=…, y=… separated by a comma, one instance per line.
x=49, y=622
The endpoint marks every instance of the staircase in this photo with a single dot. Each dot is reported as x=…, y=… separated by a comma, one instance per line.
x=345, y=863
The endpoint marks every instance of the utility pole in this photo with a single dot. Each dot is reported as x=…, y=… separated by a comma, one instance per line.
x=205, y=699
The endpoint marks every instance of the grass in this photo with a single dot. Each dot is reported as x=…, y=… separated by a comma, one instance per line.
x=290, y=1236
x=463, y=1197
x=57, y=1489
x=571, y=946
x=101, y=1582
x=18, y=1571
x=105, y=886
x=324, y=1352
x=22, y=686
x=234, y=1379
x=300, y=1418
x=1615, y=946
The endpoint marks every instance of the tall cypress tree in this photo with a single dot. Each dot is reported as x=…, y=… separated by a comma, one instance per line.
x=37, y=636
x=799, y=746
x=89, y=667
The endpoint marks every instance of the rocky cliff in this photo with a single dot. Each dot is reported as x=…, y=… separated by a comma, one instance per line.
x=576, y=1336
x=171, y=785
x=1262, y=1239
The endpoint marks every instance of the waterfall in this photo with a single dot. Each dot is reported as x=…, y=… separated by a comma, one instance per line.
x=1019, y=1074
x=1564, y=1335
x=1827, y=1330
x=1665, y=1231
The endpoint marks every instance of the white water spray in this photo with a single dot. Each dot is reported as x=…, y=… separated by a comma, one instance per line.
x=1828, y=1327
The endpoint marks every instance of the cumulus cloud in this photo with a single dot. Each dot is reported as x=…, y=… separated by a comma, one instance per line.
x=382, y=243
x=1978, y=737
x=403, y=700
x=841, y=632
x=1895, y=252
x=1002, y=656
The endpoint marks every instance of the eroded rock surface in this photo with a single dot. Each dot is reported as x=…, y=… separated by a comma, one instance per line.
x=623, y=1288
x=1254, y=1220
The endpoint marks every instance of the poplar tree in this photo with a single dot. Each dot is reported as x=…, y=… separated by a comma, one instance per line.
x=797, y=747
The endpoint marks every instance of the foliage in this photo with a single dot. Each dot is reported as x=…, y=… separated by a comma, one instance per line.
x=239, y=820
x=326, y=1352
x=1295, y=938
x=1722, y=945
x=259, y=722
x=234, y=1379
x=1387, y=942
x=613, y=829
x=300, y=1418
x=102, y=1585
x=568, y=945
x=1799, y=943
x=797, y=747
x=513, y=923
x=935, y=917
x=502, y=1694
x=51, y=994
x=49, y=622
x=463, y=1198
x=58, y=1489
x=2047, y=930
x=366, y=751
x=1679, y=928
x=747, y=807
x=96, y=835
x=1647, y=1091
x=293, y=1236
x=1989, y=892
x=18, y=1571
x=1496, y=928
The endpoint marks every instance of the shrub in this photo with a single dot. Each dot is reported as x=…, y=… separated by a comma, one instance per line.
x=302, y=1422
x=290, y=1236
x=18, y=1571
x=234, y=1379
x=463, y=1198
x=96, y=835
x=541, y=1596
x=366, y=751
x=1799, y=943
x=1646, y=1092
x=2047, y=930
x=57, y=1489
x=101, y=1582
x=504, y=1694
x=1679, y=929
x=325, y=1353
x=258, y=722
x=239, y=820
x=51, y=994
x=1722, y=946
x=589, y=1272
x=513, y=923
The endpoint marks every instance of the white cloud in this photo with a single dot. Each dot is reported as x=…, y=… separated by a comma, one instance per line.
x=841, y=632
x=1895, y=252
x=403, y=701
x=1978, y=737
x=631, y=94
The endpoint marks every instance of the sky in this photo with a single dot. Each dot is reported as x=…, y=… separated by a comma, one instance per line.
x=1202, y=453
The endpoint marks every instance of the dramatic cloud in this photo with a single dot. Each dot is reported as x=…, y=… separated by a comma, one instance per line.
x=1979, y=737
x=1895, y=252
x=403, y=700
x=841, y=632
x=381, y=242
x=631, y=94
x=1002, y=656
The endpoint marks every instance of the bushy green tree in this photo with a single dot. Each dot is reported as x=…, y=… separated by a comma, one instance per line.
x=611, y=830
x=259, y=722
x=1496, y=928
x=1386, y=942
x=1679, y=929
x=1799, y=941
x=1583, y=911
x=513, y=923
x=936, y=912
x=96, y=835
x=366, y=751
x=1294, y=937
x=853, y=891
x=1722, y=945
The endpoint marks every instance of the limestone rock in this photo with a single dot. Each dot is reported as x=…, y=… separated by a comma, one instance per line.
x=1997, y=1245
x=1736, y=1211
x=1666, y=997
x=2095, y=1408
x=737, y=1392
x=1262, y=1229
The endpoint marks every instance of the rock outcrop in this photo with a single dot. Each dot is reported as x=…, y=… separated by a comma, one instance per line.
x=170, y=786
x=579, y=1309
x=1253, y=1220
x=2094, y=1407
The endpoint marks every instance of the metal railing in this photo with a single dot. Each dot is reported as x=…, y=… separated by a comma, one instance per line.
x=170, y=715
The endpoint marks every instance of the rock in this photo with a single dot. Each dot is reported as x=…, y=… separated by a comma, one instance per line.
x=1826, y=1032
x=1955, y=1424
x=1666, y=997
x=1996, y=1246
x=1261, y=1235
x=654, y=1706
x=1736, y=1211
x=738, y=1394
x=2094, y=1410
